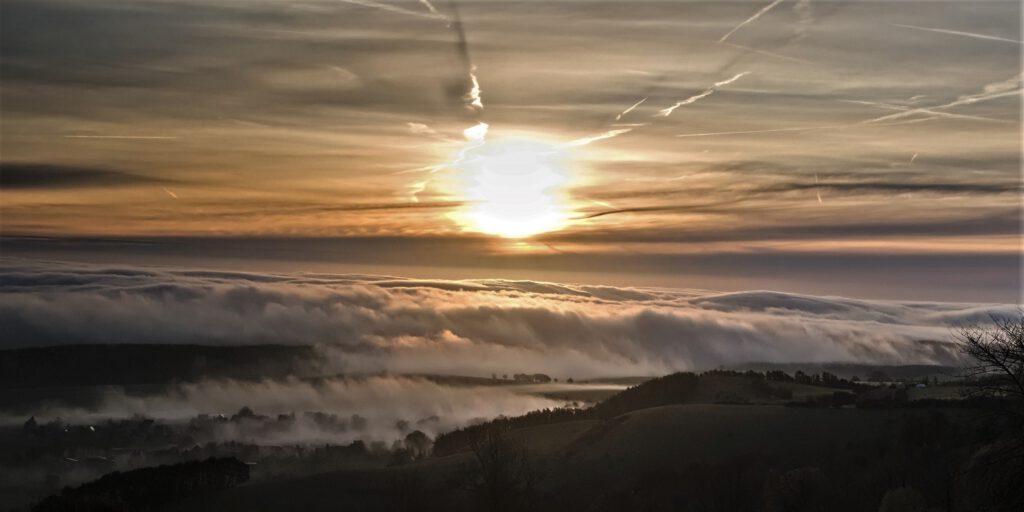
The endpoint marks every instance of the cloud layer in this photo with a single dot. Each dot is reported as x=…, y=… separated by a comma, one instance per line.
x=478, y=327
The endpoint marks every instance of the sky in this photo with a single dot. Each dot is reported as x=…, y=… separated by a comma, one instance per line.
x=855, y=149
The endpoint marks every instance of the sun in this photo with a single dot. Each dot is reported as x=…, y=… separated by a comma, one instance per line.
x=513, y=188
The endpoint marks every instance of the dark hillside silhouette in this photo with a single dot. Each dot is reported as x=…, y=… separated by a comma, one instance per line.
x=149, y=488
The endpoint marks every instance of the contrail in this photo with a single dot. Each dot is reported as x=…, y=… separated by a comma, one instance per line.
x=631, y=108
x=768, y=53
x=1009, y=87
x=807, y=128
x=745, y=132
x=992, y=91
x=930, y=116
x=756, y=15
x=128, y=137
x=807, y=20
x=430, y=7
x=428, y=169
x=476, y=132
x=808, y=15
x=471, y=98
x=707, y=92
x=601, y=136
x=959, y=33
x=392, y=8
x=655, y=209
x=928, y=111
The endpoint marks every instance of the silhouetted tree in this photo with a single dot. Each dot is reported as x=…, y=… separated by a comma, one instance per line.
x=879, y=376
x=997, y=352
x=358, y=423
x=418, y=444
x=994, y=475
x=503, y=479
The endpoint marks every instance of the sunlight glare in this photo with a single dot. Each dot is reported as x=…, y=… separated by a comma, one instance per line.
x=513, y=188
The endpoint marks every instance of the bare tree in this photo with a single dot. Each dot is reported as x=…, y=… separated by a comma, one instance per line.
x=997, y=354
x=994, y=473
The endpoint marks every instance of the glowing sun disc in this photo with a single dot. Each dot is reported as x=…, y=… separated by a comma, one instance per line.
x=513, y=188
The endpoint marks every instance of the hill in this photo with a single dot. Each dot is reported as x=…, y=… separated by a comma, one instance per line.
x=677, y=457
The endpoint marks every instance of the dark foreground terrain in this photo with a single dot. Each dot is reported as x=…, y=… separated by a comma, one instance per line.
x=718, y=441
x=884, y=455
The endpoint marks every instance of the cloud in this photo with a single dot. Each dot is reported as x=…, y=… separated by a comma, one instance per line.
x=371, y=324
x=22, y=175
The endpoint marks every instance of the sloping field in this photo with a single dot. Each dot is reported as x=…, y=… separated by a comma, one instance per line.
x=580, y=461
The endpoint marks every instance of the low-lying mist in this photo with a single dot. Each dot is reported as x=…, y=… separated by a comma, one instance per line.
x=294, y=411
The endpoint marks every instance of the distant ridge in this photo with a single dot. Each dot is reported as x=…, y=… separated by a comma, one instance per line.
x=861, y=370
